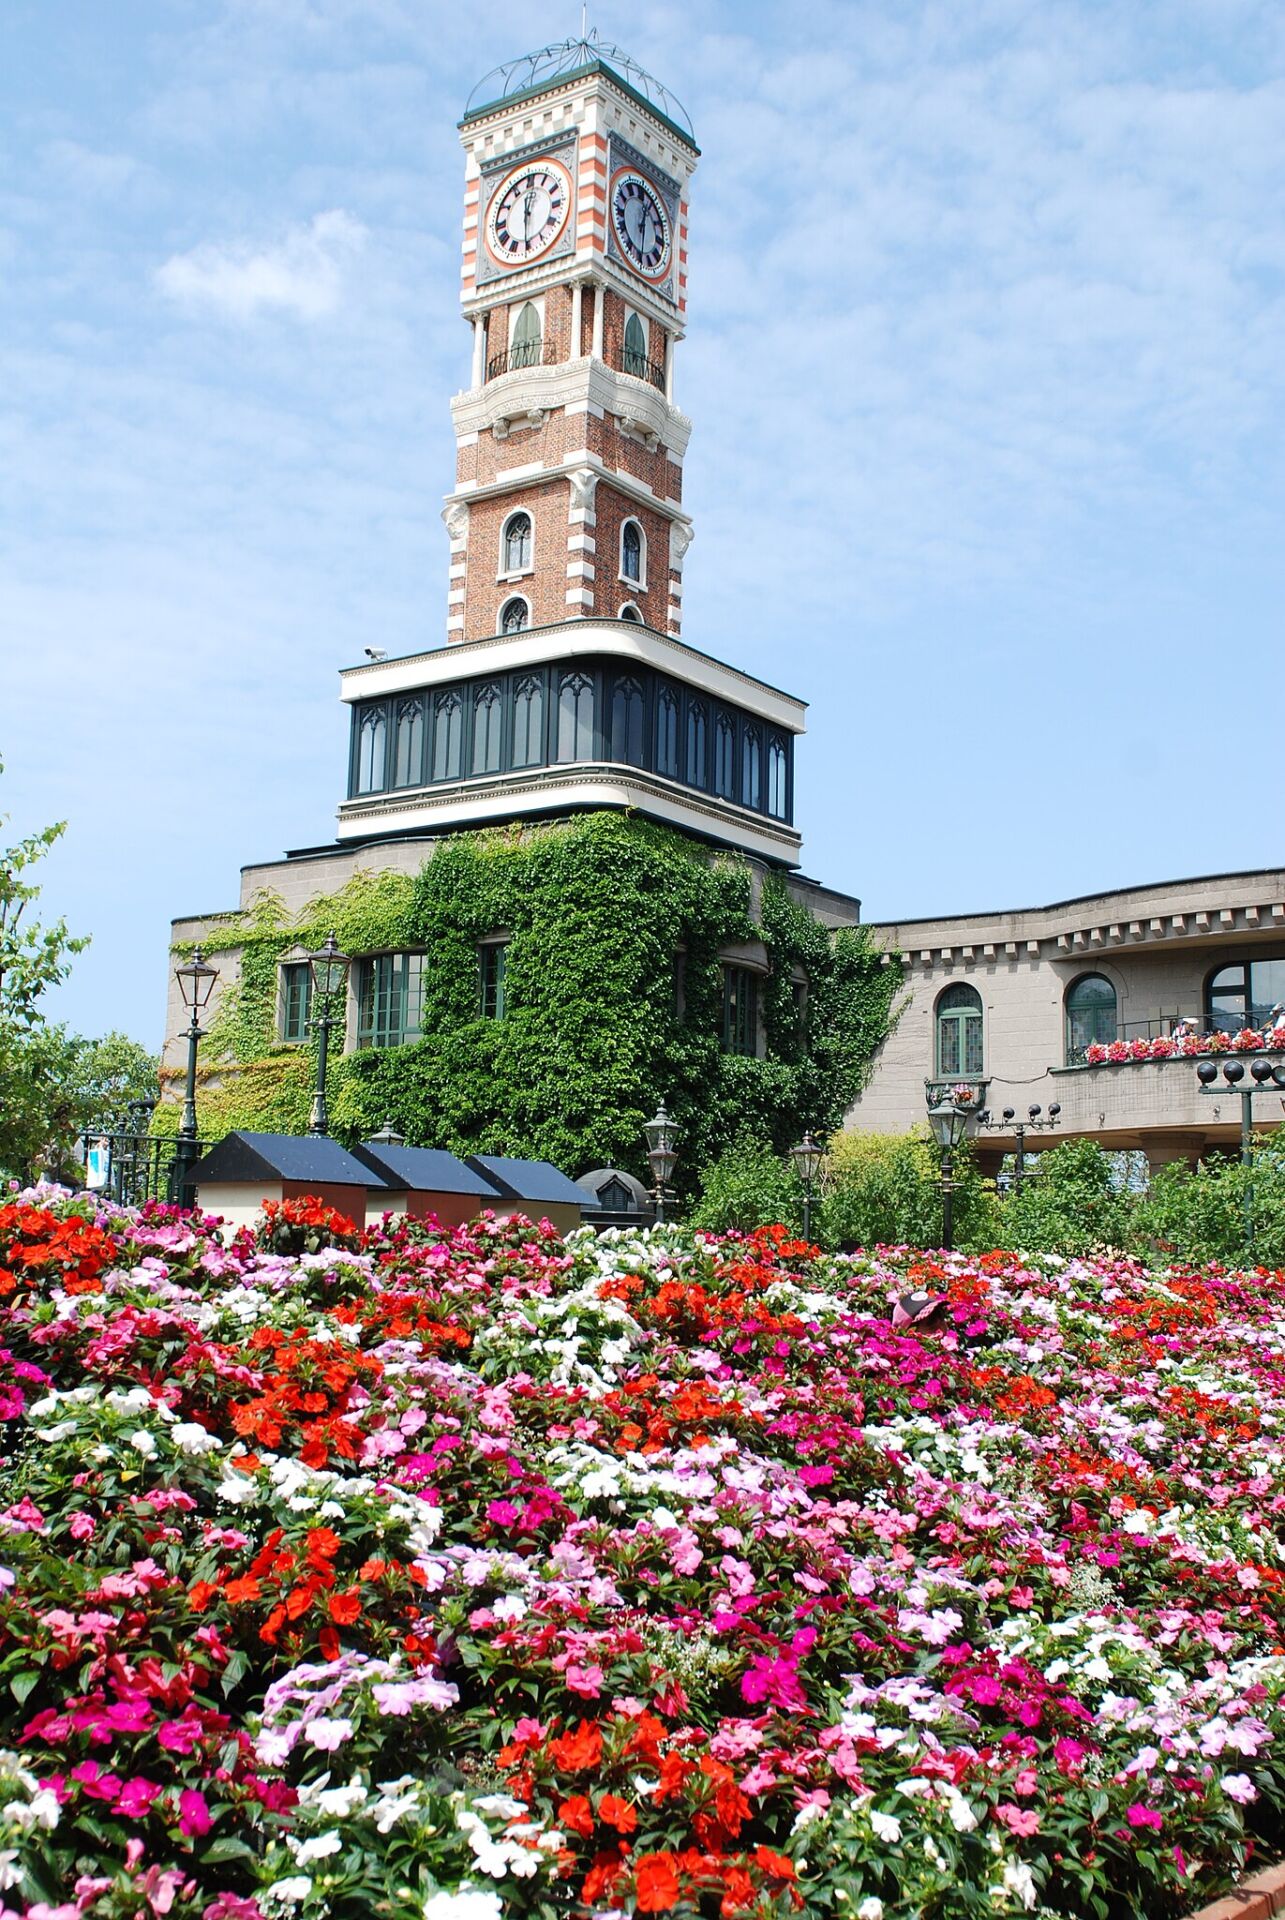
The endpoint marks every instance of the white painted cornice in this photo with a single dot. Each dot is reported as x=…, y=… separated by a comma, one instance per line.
x=481, y=802
x=538, y=390
x=570, y=640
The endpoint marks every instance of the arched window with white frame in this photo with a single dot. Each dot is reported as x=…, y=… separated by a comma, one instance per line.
x=630, y=612
x=516, y=544
x=515, y=614
x=633, y=554
x=635, y=347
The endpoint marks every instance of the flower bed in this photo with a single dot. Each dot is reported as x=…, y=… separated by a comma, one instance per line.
x=1182, y=1045
x=476, y=1574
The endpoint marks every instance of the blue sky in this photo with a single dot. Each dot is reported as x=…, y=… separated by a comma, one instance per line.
x=986, y=364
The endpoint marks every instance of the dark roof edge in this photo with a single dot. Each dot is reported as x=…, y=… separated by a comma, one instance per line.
x=1076, y=900
x=556, y=82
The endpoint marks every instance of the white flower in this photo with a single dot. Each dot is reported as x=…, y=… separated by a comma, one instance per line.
x=886, y=1826
x=1017, y=1879
x=297, y=1887
x=340, y=1802
x=328, y=1734
x=318, y=1847
x=511, y=1607
x=240, y=1492
x=1239, y=1786
x=142, y=1442
x=870, y=1909
x=466, y=1903
x=190, y=1437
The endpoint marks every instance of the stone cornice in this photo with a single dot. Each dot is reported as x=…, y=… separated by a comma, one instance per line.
x=572, y=639
x=499, y=797
x=539, y=390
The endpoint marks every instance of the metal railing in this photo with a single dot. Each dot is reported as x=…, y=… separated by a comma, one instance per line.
x=1161, y=1026
x=642, y=368
x=132, y=1168
x=528, y=353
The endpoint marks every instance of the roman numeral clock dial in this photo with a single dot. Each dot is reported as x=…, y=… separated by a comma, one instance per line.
x=641, y=224
x=528, y=213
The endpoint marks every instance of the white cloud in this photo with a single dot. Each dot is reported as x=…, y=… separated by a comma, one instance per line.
x=303, y=274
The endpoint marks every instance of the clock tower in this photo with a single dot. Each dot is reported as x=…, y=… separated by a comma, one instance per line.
x=568, y=494
x=562, y=681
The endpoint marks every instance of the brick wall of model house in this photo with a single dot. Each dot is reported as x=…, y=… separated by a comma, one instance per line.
x=612, y=509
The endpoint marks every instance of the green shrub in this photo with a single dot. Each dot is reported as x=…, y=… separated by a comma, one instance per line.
x=1075, y=1204
x=884, y=1189
x=1200, y=1215
x=748, y=1186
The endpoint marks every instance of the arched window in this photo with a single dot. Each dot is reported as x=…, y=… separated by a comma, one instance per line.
x=448, y=736
x=697, y=742
x=777, y=795
x=959, y=1031
x=408, y=757
x=630, y=612
x=1244, y=995
x=516, y=544
x=371, y=739
x=528, y=722
x=487, y=712
x=667, y=734
x=514, y=615
x=575, y=718
x=524, y=347
x=635, y=347
x=724, y=757
x=627, y=722
x=751, y=767
x=633, y=552
x=1090, y=1015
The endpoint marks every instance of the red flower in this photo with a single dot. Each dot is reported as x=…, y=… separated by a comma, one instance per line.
x=656, y=1882
x=344, y=1607
x=577, y=1814
x=579, y=1750
x=617, y=1813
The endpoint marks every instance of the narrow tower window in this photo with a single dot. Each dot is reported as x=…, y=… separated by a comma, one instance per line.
x=517, y=543
x=448, y=733
x=635, y=347
x=627, y=722
x=486, y=730
x=575, y=718
x=514, y=615
x=631, y=552
x=528, y=723
x=524, y=350
x=370, y=750
x=409, y=770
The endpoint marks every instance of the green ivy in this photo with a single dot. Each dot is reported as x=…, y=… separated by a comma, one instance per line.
x=613, y=1000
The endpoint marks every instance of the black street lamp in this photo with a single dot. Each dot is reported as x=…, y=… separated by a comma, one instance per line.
x=196, y=984
x=329, y=973
x=1036, y=1121
x=807, y=1157
x=661, y=1135
x=1263, y=1078
x=952, y=1119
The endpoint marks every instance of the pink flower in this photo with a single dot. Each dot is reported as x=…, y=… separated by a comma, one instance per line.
x=1023, y=1821
x=136, y=1797
x=586, y=1680
x=1139, y=1816
x=193, y=1813
x=83, y=1526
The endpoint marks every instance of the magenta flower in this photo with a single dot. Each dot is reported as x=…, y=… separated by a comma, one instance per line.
x=193, y=1813
x=1140, y=1816
x=136, y=1797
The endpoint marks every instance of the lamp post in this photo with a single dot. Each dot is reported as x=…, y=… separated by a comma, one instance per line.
x=329, y=968
x=1263, y=1078
x=952, y=1119
x=661, y=1135
x=196, y=984
x=1036, y=1121
x=807, y=1157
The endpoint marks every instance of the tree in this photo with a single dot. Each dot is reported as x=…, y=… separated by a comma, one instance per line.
x=35, y=1059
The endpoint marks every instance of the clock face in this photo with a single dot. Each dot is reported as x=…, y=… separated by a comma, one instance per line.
x=528, y=212
x=640, y=224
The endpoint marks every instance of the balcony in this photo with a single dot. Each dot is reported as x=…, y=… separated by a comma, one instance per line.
x=528, y=353
x=641, y=368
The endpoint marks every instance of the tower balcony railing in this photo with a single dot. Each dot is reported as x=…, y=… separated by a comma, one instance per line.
x=642, y=368
x=527, y=353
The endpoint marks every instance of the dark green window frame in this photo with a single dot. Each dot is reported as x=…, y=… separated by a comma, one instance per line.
x=960, y=1040
x=296, y=1001
x=491, y=968
x=390, y=999
x=740, y=1011
x=1092, y=1015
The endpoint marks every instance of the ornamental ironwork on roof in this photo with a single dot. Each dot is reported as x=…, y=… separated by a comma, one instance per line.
x=567, y=60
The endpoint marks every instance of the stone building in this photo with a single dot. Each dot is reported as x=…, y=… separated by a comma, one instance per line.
x=1022, y=1004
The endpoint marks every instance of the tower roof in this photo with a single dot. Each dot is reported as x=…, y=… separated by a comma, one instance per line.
x=563, y=60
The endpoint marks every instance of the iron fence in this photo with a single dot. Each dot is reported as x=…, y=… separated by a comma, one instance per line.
x=527, y=353
x=644, y=369
x=132, y=1168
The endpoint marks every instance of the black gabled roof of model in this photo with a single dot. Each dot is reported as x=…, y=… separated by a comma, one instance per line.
x=285, y=1156
x=424, y=1170
x=528, y=1180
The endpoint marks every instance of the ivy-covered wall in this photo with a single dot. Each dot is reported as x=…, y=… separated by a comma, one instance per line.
x=613, y=990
